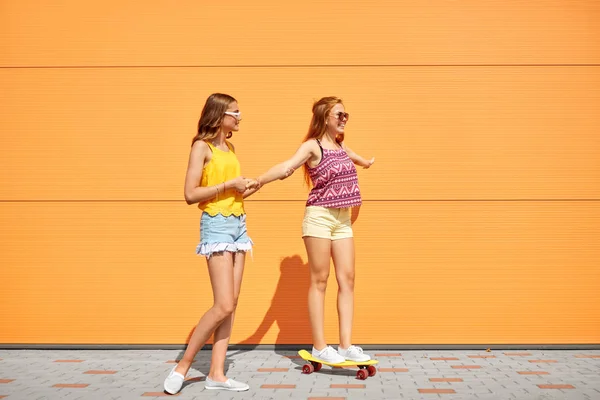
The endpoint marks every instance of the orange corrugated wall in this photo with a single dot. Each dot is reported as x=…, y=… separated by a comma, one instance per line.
x=481, y=215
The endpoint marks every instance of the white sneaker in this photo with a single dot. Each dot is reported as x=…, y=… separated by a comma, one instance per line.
x=173, y=382
x=353, y=353
x=229, y=384
x=328, y=354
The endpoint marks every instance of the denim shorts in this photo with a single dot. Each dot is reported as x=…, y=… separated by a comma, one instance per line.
x=220, y=233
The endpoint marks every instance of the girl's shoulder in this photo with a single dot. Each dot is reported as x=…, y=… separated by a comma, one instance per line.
x=312, y=145
x=200, y=145
x=201, y=150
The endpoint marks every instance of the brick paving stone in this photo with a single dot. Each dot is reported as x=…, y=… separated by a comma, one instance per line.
x=129, y=374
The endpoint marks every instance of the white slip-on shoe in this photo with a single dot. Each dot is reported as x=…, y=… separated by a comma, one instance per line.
x=229, y=384
x=173, y=382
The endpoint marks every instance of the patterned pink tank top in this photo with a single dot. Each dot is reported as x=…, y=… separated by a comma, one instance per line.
x=335, y=182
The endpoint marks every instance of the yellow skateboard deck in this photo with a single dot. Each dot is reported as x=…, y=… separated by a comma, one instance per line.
x=366, y=368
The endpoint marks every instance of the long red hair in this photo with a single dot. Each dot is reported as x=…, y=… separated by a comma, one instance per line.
x=318, y=126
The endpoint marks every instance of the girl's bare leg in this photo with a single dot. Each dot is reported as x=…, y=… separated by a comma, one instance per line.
x=343, y=260
x=221, y=271
x=319, y=253
x=223, y=331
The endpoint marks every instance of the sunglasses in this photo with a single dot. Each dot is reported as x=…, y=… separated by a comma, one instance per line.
x=341, y=116
x=237, y=115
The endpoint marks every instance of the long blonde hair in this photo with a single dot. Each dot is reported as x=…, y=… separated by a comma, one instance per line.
x=212, y=116
x=318, y=126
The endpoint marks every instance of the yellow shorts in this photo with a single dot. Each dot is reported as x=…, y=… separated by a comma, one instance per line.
x=327, y=223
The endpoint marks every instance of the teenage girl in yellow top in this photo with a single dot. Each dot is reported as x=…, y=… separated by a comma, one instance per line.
x=214, y=181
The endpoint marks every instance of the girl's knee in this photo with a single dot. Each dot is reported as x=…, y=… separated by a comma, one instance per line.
x=346, y=281
x=320, y=282
x=224, y=309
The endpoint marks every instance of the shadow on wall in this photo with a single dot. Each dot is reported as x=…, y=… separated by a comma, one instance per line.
x=289, y=308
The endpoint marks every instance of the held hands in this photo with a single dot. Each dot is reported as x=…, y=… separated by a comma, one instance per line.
x=239, y=184
x=252, y=184
x=255, y=184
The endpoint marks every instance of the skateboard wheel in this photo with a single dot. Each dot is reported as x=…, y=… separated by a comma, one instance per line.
x=308, y=369
x=372, y=370
x=362, y=374
x=316, y=365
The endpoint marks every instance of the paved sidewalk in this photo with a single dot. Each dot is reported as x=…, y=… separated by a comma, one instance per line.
x=423, y=374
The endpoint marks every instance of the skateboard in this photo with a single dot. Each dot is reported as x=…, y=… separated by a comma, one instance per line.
x=365, y=368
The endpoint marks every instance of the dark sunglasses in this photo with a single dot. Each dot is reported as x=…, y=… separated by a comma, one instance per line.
x=342, y=116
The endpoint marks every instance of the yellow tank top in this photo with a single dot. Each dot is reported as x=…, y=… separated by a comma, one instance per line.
x=222, y=167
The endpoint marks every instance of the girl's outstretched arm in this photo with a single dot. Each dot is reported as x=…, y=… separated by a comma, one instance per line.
x=307, y=150
x=285, y=169
x=356, y=159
